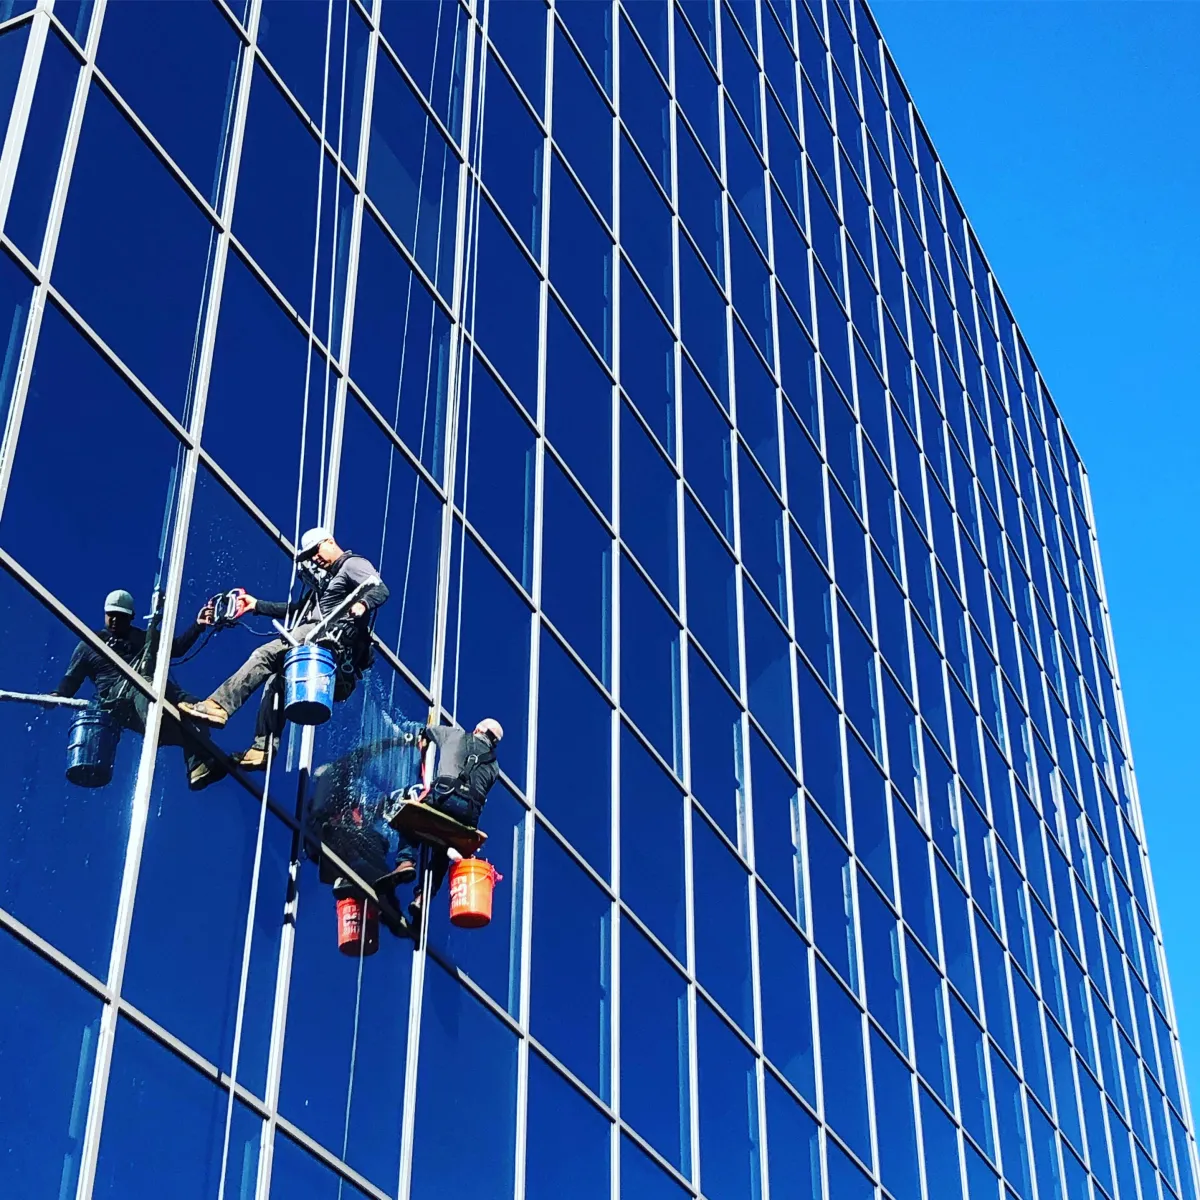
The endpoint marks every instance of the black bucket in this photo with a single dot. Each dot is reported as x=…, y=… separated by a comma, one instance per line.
x=92, y=748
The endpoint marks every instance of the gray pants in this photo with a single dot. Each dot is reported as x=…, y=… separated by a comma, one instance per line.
x=266, y=661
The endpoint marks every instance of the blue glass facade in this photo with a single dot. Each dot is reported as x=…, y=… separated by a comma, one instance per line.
x=646, y=350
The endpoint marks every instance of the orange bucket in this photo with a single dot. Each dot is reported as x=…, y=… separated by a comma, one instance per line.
x=471, y=883
x=358, y=926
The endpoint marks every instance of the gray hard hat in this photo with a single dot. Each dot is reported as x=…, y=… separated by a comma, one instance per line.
x=119, y=601
x=311, y=539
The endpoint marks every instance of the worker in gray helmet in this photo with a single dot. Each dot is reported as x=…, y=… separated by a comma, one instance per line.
x=465, y=770
x=332, y=576
x=115, y=692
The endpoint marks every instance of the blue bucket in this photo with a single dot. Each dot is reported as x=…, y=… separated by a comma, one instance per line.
x=310, y=673
x=92, y=748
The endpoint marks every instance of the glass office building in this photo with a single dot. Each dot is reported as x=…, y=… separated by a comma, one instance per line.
x=647, y=352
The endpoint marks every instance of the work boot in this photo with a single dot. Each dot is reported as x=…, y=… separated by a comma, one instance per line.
x=254, y=759
x=209, y=712
x=405, y=871
x=205, y=773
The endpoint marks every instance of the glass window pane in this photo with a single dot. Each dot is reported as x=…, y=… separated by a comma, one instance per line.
x=260, y=368
x=325, y=1062
x=197, y=999
x=49, y=1041
x=405, y=377
x=581, y=260
x=768, y=672
x=505, y=307
x=652, y=844
x=786, y=1000
x=487, y=657
x=496, y=483
x=712, y=593
x=793, y=1146
x=583, y=125
x=729, y=1161
x=654, y=1049
x=567, y=1151
x=570, y=709
x=722, y=924
x=715, y=722
x=164, y=1126
x=42, y=147
x=579, y=408
x=647, y=360
x=412, y=175
x=513, y=146
x=129, y=231
x=431, y=39
x=842, y=1071
x=576, y=570
x=570, y=957
x=645, y=106
x=649, y=664
x=642, y=1177
x=457, y=1028
x=388, y=513
x=646, y=228
x=898, y=1151
x=708, y=451
x=175, y=64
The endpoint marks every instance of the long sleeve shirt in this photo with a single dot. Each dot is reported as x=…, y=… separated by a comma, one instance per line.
x=346, y=574
x=88, y=663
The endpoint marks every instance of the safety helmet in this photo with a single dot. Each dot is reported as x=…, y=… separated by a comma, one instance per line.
x=119, y=601
x=311, y=539
x=492, y=726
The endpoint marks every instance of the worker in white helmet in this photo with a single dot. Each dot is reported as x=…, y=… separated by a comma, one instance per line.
x=333, y=575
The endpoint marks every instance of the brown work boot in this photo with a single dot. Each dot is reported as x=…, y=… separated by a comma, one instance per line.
x=204, y=774
x=254, y=759
x=209, y=712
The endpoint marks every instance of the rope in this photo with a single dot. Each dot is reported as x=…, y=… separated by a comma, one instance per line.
x=475, y=208
x=270, y=747
x=412, y=530
x=312, y=305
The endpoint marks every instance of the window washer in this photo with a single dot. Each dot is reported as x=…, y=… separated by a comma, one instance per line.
x=333, y=574
x=466, y=770
x=129, y=705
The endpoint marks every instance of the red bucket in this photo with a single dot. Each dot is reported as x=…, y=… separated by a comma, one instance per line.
x=358, y=926
x=471, y=884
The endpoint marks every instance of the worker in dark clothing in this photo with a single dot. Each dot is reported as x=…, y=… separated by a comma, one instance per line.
x=334, y=576
x=127, y=703
x=466, y=769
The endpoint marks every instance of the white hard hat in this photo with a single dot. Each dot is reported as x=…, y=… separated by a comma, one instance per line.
x=119, y=601
x=311, y=539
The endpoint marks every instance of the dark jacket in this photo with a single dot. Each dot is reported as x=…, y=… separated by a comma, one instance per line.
x=466, y=764
x=330, y=588
x=88, y=663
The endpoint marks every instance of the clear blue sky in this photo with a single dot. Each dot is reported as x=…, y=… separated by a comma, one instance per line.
x=1068, y=130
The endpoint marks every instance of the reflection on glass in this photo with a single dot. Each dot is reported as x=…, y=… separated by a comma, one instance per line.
x=347, y=1026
